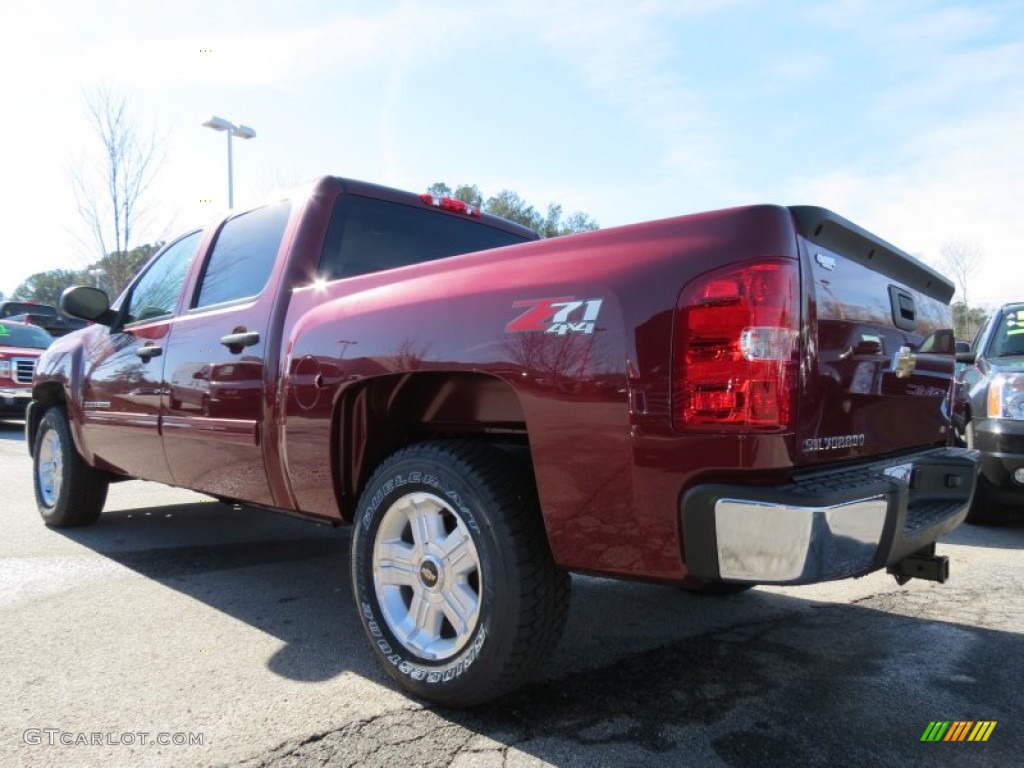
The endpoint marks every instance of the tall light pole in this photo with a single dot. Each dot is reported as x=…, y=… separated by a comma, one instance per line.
x=242, y=132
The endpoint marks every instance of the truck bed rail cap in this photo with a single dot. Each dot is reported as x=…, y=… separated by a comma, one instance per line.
x=830, y=230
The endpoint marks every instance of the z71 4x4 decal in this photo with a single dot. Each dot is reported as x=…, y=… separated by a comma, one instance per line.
x=559, y=316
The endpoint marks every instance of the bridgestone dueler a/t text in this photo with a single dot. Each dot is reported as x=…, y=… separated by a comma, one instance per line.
x=452, y=574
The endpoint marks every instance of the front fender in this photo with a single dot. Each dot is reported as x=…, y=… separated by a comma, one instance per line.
x=57, y=382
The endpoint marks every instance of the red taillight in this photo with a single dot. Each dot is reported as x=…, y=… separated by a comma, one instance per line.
x=450, y=204
x=735, y=355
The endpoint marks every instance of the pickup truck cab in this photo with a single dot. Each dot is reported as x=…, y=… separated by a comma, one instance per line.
x=751, y=396
x=990, y=405
x=43, y=315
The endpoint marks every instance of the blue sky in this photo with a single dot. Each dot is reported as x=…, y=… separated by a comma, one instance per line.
x=907, y=117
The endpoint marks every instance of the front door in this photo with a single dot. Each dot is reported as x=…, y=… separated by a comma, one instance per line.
x=122, y=383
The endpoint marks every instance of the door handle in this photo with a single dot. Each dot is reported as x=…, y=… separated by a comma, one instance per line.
x=148, y=352
x=236, y=342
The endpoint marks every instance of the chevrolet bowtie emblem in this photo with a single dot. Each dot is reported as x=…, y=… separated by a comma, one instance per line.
x=904, y=363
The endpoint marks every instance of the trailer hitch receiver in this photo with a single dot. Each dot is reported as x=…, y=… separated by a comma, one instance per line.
x=923, y=564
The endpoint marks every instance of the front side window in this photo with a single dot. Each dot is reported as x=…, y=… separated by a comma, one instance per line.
x=157, y=291
x=243, y=255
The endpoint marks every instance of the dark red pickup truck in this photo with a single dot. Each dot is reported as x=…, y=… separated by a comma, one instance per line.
x=749, y=396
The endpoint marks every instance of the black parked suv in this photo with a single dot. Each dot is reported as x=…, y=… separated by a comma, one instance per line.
x=989, y=403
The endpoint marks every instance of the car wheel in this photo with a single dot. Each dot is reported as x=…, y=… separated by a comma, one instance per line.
x=983, y=511
x=452, y=574
x=68, y=491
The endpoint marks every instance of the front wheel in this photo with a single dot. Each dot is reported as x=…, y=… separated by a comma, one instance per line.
x=984, y=511
x=68, y=491
x=453, y=578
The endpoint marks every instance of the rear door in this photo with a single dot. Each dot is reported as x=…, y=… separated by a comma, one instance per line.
x=214, y=365
x=878, y=369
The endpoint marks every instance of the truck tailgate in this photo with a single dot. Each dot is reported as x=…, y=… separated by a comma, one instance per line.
x=878, y=359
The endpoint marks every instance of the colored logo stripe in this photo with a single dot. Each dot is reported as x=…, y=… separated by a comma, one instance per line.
x=982, y=730
x=959, y=730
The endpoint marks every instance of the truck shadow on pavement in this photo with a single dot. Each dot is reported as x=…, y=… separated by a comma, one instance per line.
x=284, y=576
x=644, y=675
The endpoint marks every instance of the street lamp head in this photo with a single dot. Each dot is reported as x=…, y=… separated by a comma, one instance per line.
x=242, y=132
x=220, y=124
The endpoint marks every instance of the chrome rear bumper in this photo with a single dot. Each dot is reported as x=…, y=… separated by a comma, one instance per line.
x=827, y=525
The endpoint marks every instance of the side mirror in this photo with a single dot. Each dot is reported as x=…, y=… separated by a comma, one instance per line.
x=87, y=303
x=967, y=357
x=962, y=346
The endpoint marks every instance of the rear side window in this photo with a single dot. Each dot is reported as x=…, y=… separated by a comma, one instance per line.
x=368, y=235
x=243, y=255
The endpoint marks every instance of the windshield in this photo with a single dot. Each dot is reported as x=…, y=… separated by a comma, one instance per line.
x=1008, y=337
x=11, y=308
x=24, y=335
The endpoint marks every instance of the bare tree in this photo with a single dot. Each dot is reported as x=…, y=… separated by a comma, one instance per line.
x=962, y=259
x=111, y=184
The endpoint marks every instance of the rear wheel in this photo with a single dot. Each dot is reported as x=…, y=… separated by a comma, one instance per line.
x=453, y=578
x=68, y=491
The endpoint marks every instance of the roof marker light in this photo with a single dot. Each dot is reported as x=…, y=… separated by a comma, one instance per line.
x=450, y=204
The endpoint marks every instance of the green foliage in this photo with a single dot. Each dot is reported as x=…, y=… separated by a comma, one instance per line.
x=509, y=205
x=111, y=273
x=469, y=193
x=115, y=270
x=439, y=189
x=46, y=287
x=967, y=322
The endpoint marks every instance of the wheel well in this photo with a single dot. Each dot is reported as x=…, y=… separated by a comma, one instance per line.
x=45, y=395
x=376, y=418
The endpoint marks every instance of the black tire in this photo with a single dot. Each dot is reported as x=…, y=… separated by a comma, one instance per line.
x=984, y=511
x=509, y=598
x=68, y=491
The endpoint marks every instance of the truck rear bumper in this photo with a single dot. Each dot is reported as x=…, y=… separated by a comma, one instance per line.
x=830, y=524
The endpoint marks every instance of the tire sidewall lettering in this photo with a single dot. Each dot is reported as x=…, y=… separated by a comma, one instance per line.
x=417, y=478
x=400, y=483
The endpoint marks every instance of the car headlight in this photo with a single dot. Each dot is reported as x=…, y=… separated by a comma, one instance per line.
x=1006, y=396
x=5, y=369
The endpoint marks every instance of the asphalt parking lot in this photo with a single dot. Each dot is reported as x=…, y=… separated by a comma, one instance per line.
x=179, y=631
